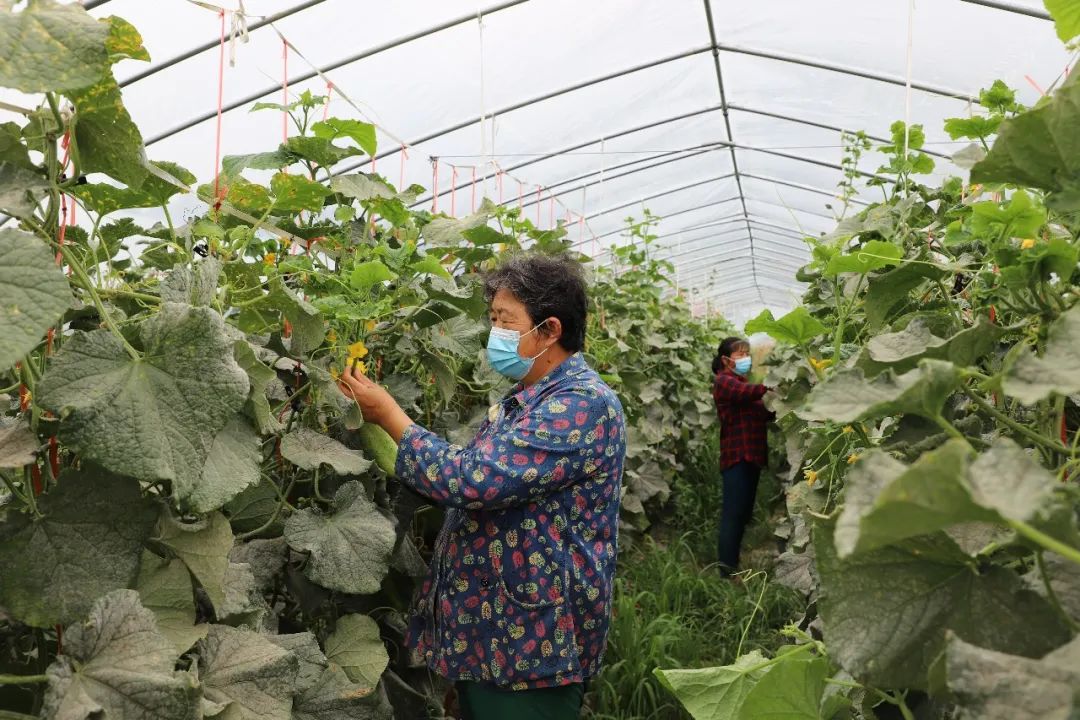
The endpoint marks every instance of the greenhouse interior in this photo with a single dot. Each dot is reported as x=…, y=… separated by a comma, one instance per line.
x=695, y=360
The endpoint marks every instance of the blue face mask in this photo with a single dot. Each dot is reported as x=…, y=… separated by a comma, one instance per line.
x=502, y=352
x=743, y=365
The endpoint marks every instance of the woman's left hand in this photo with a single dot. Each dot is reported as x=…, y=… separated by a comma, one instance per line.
x=377, y=405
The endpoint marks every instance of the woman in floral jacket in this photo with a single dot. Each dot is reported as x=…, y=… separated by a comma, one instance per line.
x=517, y=602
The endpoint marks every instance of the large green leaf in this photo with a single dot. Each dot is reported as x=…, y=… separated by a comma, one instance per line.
x=792, y=690
x=259, y=377
x=308, y=330
x=195, y=285
x=798, y=327
x=715, y=693
x=233, y=165
x=103, y=198
x=886, y=612
x=34, y=294
x=308, y=449
x=165, y=589
x=49, y=47
x=231, y=466
x=154, y=418
x=886, y=501
x=295, y=194
x=117, y=665
x=319, y=151
x=362, y=133
x=252, y=677
x=902, y=350
x=1066, y=14
x=1030, y=378
x=124, y=41
x=18, y=444
x=447, y=231
x=334, y=697
x=847, y=396
x=349, y=547
x=21, y=190
x=889, y=289
x=870, y=256
x=366, y=275
x=107, y=138
x=1019, y=217
x=996, y=686
x=1040, y=149
x=87, y=543
x=306, y=648
x=12, y=148
x=360, y=187
x=203, y=546
x=356, y=647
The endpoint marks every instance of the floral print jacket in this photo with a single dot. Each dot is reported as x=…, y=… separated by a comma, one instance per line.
x=520, y=586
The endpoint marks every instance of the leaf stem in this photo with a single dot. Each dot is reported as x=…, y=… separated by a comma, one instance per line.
x=1041, y=538
x=282, y=502
x=1015, y=426
x=1051, y=594
x=87, y=285
x=23, y=679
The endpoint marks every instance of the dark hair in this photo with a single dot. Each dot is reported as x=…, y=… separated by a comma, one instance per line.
x=548, y=286
x=728, y=346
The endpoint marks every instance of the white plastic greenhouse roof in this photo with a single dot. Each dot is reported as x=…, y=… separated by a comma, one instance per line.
x=723, y=118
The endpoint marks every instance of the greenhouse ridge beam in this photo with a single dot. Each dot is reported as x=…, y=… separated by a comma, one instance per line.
x=846, y=70
x=460, y=20
x=1007, y=7
x=727, y=125
x=671, y=215
x=799, y=186
x=153, y=70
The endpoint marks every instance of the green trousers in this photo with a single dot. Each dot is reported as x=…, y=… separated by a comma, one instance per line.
x=480, y=701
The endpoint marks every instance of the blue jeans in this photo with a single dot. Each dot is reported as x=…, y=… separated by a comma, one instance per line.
x=737, y=508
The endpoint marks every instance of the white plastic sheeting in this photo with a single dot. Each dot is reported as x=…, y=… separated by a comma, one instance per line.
x=604, y=107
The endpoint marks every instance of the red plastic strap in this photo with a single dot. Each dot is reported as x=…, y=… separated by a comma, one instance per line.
x=1034, y=84
x=35, y=477
x=1064, y=431
x=435, y=185
x=551, y=212
x=453, y=191
x=220, y=104
x=539, y=200
x=54, y=457
x=326, y=107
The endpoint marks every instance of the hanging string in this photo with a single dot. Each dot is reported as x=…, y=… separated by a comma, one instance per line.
x=284, y=91
x=551, y=212
x=521, y=195
x=539, y=200
x=221, y=102
x=326, y=105
x=500, y=182
x=473, y=209
x=907, y=81
x=401, y=180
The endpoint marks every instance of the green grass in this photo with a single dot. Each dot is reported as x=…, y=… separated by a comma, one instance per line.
x=673, y=611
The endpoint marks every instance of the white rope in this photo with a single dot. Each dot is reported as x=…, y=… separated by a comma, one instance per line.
x=486, y=157
x=907, y=84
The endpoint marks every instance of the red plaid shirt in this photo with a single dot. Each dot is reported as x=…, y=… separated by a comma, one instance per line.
x=743, y=420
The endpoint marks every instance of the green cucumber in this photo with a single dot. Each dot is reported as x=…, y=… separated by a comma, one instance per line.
x=379, y=446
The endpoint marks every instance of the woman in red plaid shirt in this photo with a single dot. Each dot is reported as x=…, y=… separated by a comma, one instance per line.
x=743, y=450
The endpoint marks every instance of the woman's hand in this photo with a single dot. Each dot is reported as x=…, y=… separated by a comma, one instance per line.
x=376, y=404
